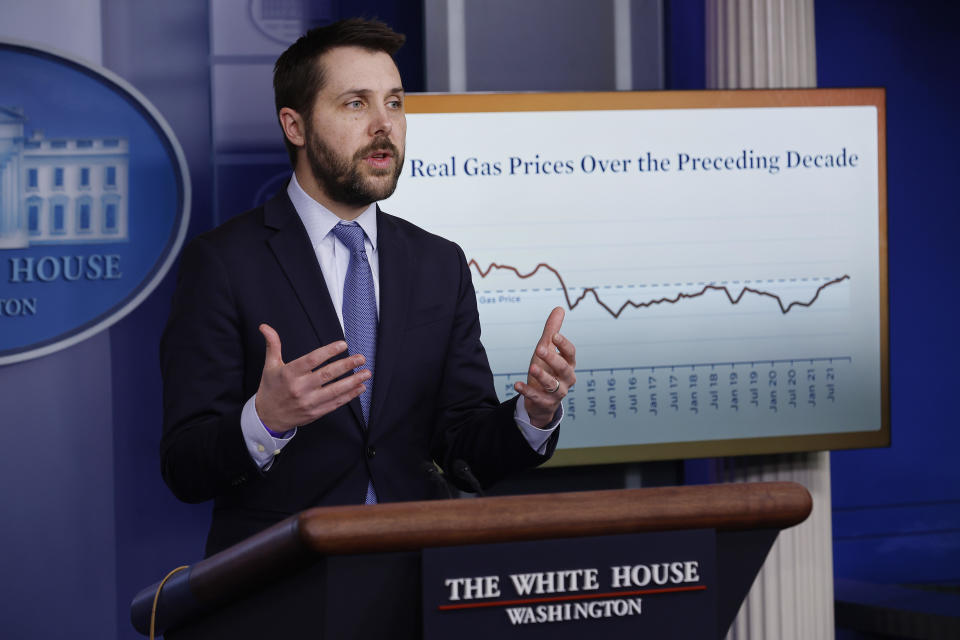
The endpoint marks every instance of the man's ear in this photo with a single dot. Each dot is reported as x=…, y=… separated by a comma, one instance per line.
x=293, y=126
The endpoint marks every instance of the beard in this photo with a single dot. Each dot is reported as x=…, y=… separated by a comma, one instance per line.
x=344, y=180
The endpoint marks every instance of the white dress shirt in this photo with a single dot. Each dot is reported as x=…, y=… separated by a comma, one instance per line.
x=334, y=257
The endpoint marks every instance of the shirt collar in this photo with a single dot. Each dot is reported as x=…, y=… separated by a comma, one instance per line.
x=319, y=221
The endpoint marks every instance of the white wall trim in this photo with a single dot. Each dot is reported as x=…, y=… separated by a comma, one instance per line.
x=457, y=45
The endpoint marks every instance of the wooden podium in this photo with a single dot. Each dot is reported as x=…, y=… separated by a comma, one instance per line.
x=354, y=571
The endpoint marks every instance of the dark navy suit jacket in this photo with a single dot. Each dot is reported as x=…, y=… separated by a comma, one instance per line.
x=433, y=395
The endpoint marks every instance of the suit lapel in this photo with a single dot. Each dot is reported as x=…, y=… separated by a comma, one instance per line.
x=395, y=282
x=292, y=249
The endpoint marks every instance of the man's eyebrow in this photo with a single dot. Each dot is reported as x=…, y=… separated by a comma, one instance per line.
x=367, y=92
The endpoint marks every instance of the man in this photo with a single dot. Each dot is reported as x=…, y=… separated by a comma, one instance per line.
x=268, y=409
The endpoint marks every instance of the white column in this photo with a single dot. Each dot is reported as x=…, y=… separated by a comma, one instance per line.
x=622, y=46
x=760, y=44
x=769, y=44
x=457, y=45
x=12, y=233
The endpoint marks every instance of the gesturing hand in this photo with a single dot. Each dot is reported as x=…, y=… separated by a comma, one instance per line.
x=297, y=393
x=551, y=372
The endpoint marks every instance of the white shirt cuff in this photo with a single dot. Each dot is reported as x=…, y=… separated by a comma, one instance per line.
x=262, y=446
x=536, y=437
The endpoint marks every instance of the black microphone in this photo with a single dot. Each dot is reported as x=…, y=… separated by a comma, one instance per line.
x=437, y=477
x=462, y=470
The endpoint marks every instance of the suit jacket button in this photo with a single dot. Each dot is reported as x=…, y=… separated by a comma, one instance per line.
x=371, y=451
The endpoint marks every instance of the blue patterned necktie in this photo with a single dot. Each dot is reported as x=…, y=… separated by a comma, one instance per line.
x=359, y=314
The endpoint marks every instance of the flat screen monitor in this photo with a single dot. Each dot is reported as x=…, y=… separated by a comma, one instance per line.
x=720, y=255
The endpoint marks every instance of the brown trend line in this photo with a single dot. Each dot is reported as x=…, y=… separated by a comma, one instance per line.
x=630, y=303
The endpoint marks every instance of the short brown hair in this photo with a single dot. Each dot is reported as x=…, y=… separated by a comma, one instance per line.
x=297, y=78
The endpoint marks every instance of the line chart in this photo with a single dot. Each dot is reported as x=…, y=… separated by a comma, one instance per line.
x=705, y=305
x=572, y=303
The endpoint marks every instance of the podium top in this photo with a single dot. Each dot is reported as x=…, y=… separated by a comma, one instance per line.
x=404, y=526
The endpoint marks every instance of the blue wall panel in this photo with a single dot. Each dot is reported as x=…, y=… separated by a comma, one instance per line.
x=155, y=532
x=685, y=26
x=57, y=501
x=895, y=509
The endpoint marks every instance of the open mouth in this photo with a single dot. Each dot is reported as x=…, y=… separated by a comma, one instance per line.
x=380, y=158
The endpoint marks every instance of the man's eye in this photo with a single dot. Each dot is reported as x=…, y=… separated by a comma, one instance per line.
x=395, y=104
x=355, y=104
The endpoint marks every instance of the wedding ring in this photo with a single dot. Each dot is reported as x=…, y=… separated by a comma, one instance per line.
x=554, y=390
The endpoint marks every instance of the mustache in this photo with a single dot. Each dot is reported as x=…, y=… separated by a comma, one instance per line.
x=382, y=144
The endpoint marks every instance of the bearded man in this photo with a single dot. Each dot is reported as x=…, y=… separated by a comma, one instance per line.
x=320, y=351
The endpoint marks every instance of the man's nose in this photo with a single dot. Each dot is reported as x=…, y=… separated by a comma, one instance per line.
x=380, y=122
